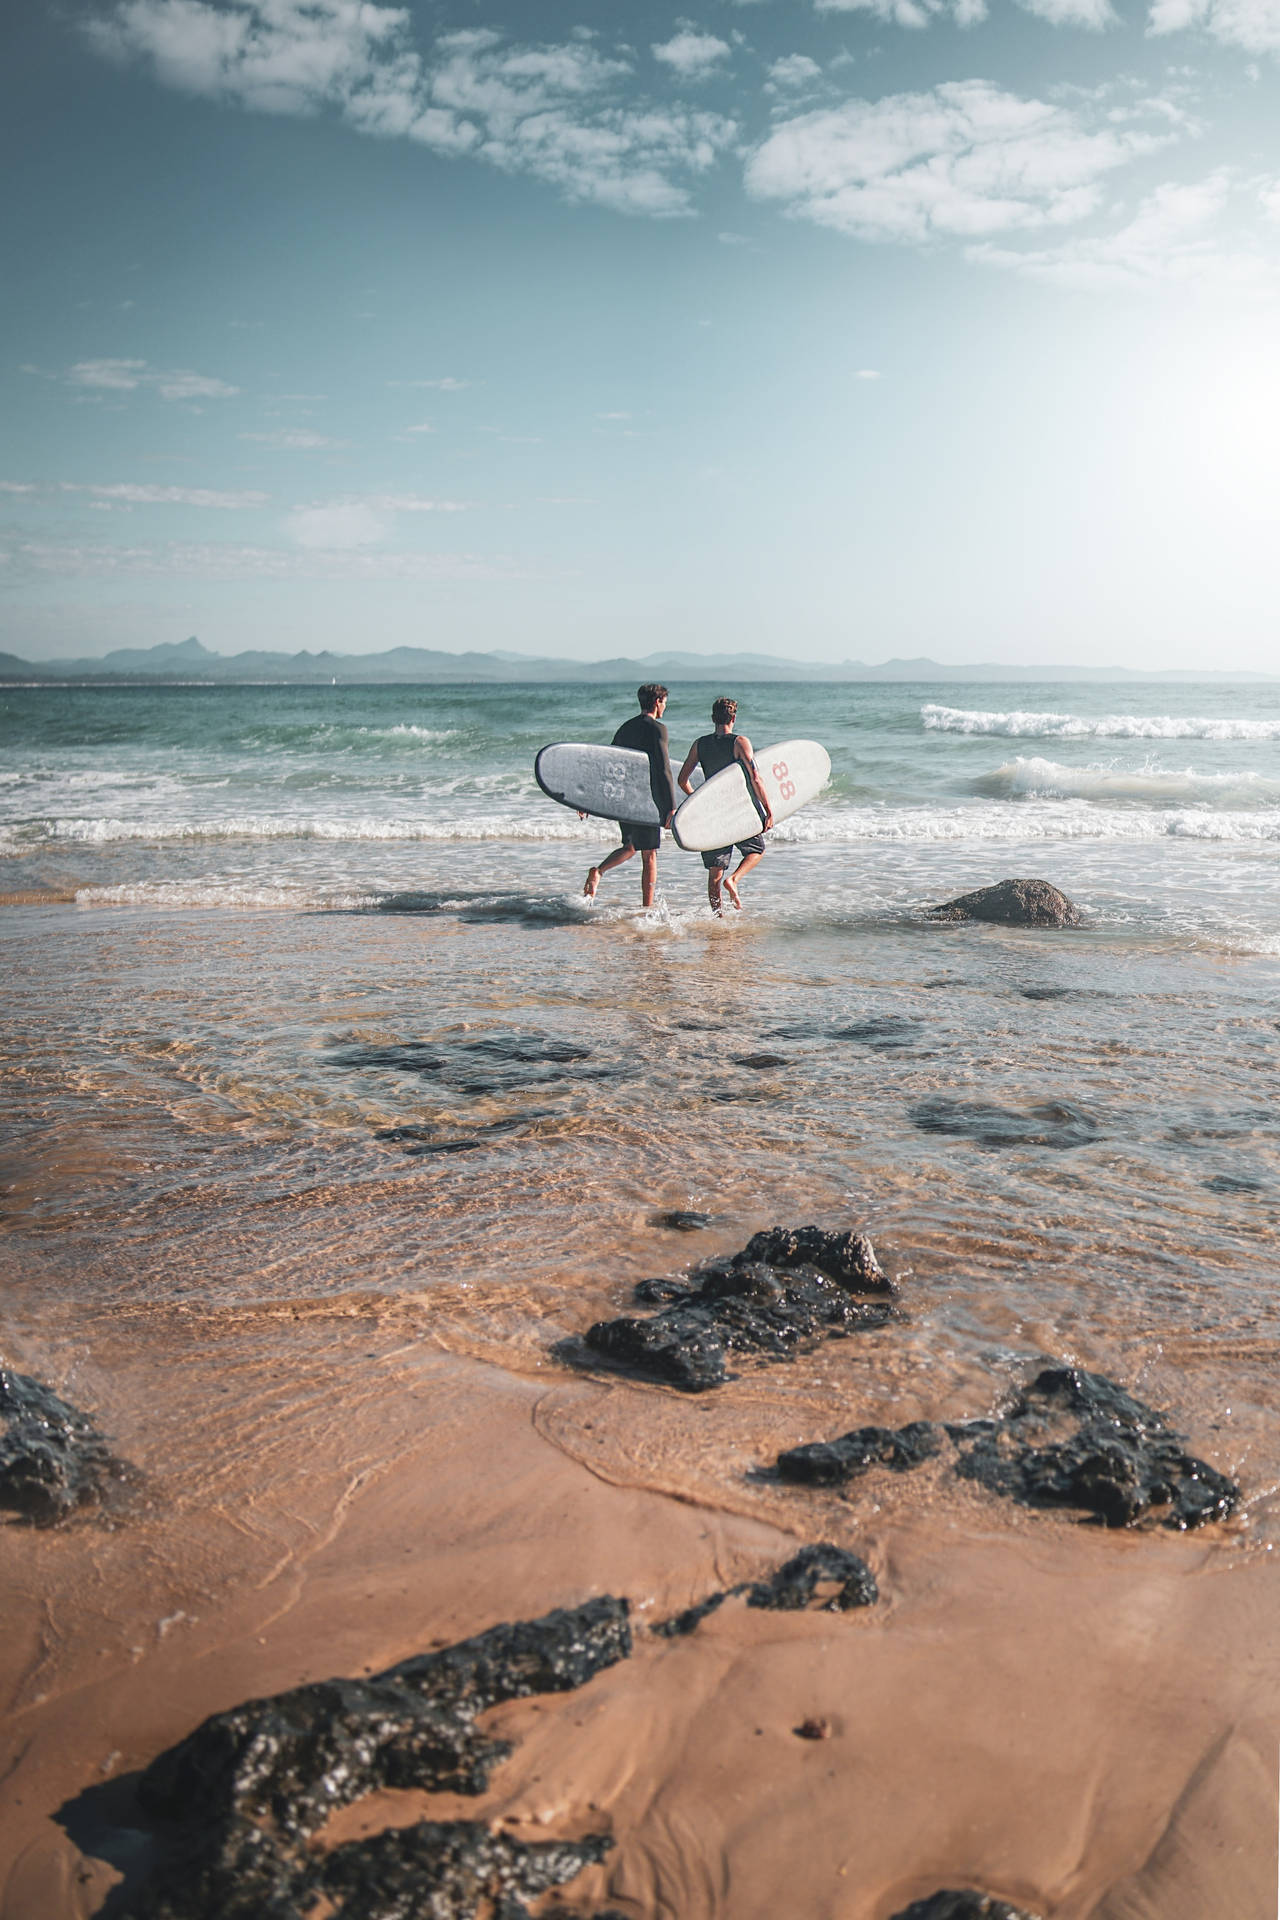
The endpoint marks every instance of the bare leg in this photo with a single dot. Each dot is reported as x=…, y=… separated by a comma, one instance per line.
x=744, y=865
x=596, y=874
x=648, y=874
x=715, y=876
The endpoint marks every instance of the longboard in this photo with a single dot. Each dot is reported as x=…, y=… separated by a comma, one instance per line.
x=723, y=809
x=610, y=781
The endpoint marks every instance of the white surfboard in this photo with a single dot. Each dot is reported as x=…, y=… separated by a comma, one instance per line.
x=723, y=809
x=610, y=781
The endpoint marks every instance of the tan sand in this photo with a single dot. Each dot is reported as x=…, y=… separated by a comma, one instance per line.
x=1080, y=1722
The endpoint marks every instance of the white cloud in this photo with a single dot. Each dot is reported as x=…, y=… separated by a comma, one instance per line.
x=869, y=373
x=294, y=440
x=336, y=528
x=126, y=376
x=910, y=13
x=795, y=70
x=447, y=385
x=1096, y=15
x=423, y=426
x=1175, y=235
x=154, y=496
x=551, y=111
x=691, y=54
x=17, y=486
x=965, y=160
x=1251, y=24
x=613, y=416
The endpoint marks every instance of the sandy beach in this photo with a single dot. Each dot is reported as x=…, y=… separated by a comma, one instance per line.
x=326, y=1345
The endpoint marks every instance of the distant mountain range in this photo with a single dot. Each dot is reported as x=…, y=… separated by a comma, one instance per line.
x=188, y=663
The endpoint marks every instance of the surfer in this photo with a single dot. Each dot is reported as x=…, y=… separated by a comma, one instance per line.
x=643, y=733
x=713, y=752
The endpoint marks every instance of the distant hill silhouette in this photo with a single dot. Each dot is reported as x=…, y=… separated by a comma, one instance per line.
x=188, y=663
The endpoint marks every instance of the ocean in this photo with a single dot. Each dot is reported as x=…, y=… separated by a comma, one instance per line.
x=317, y=1065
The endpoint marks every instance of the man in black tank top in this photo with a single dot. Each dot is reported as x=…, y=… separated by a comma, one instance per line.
x=643, y=733
x=713, y=753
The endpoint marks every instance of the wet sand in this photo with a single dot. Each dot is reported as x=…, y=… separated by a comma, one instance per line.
x=331, y=1362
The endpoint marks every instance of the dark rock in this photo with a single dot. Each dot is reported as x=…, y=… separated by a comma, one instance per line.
x=787, y=1287
x=760, y=1061
x=438, y=1870
x=1233, y=1183
x=1073, y=1439
x=831, y=1463
x=795, y=1586
x=494, y=1063
x=887, y=1032
x=248, y=1789
x=848, y=1258
x=950, y=1905
x=817, y=1729
x=1051, y=1123
x=53, y=1460
x=1122, y=1462
x=1013, y=903
x=682, y=1220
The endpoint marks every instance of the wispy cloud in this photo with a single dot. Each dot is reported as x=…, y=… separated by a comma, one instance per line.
x=1176, y=234
x=142, y=495
x=910, y=13
x=965, y=160
x=294, y=440
x=126, y=376
x=795, y=70
x=1252, y=24
x=231, y=561
x=558, y=112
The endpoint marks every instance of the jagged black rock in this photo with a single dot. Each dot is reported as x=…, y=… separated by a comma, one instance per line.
x=243, y=1794
x=1119, y=1461
x=53, y=1460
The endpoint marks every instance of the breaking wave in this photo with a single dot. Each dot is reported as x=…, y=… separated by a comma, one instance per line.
x=1112, y=726
x=1149, y=786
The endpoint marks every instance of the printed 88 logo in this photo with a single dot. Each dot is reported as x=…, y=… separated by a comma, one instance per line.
x=786, y=787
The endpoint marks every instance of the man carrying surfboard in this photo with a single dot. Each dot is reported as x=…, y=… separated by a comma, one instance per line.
x=643, y=733
x=713, y=752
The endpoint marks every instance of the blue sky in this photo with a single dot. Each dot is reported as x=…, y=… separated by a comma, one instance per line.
x=835, y=330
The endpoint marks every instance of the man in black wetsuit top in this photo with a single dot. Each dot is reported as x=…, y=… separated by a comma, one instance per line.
x=643, y=733
x=713, y=752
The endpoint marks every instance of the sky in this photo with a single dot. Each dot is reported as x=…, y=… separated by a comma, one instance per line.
x=829, y=329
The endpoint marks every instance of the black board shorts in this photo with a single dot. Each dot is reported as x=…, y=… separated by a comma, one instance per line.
x=635, y=833
x=720, y=857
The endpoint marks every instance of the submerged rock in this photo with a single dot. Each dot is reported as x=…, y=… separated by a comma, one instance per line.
x=787, y=1287
x=793, y=1587
x=952, y=1905
x=1072, y=1439
x=1013, y=903
x=53, y=1460
x=250, y=1787
x=681, y=1220
x=1050, y=1123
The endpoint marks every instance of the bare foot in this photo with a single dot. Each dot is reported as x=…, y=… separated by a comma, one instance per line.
x=732, y=892
x=593, y=881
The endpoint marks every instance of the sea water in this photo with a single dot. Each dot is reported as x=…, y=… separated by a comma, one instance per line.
x=306, y=1011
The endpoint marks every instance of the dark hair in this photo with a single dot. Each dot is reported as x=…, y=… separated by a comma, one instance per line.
x=724, y=711
x=649, y=695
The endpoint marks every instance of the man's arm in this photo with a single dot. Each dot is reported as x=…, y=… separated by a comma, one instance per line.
x=742, y=751
x=684, y=778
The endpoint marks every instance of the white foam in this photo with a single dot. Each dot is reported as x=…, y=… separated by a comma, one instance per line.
x=218, y=894
x=1152, y=785
x=1112, y=726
